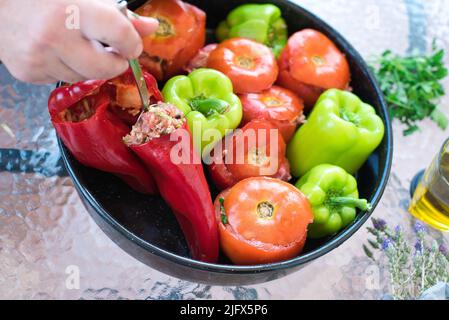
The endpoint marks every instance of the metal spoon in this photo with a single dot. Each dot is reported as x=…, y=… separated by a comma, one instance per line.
x=122, y=5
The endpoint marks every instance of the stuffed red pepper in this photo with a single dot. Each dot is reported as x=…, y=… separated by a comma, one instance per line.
x=81, y=116
x=162, y=140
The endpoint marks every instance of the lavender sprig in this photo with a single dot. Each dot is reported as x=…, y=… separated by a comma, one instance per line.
x=413, y=268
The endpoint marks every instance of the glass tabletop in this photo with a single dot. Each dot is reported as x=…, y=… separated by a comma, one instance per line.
x=50, y=248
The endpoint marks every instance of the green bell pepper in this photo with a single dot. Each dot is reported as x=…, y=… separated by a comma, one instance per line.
x=341, y=130
x=334, y=197
x=211, y=108
x=260, y=22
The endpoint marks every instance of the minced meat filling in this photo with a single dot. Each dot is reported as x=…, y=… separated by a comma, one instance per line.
x=161, y=119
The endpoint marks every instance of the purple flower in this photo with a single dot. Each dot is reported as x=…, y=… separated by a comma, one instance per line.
x=379, y=224
x=443, y=250
x=386, y=244
x=398, y=230
x=420, y=228
x=418, y=247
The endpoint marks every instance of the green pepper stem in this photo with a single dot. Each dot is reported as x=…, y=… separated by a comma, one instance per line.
x=362, y=204
x=209, y=106
x=350, y=117
x=224, y=217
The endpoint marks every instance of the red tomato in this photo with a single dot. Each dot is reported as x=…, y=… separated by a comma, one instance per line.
x=262, y=220
x=257, y=154
x=181, y=33
x=312, y=63
x=250, y=65
x=251, y=155
x=278, y=105
x=223, y=178
x=309, y=94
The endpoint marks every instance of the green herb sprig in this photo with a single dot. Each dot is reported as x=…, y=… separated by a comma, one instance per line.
x=413, y=269
x=412, y=87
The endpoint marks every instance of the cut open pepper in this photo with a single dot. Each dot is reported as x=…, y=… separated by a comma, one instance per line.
x=341, y=130
x=207, y=100
x=334, y=197
x=81, y=116
x=182, y=184
x=260, y=22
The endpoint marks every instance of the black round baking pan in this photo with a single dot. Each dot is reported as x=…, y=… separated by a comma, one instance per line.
x=146, y=229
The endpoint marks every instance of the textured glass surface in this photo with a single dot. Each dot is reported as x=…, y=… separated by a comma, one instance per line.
x=46, y=235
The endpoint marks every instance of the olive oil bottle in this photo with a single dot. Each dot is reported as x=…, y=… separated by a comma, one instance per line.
x=431, y=200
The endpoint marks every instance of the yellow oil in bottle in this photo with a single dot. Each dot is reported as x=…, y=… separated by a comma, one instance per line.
x=431, y=200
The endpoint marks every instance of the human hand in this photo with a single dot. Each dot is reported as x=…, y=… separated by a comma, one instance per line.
x=37, y=46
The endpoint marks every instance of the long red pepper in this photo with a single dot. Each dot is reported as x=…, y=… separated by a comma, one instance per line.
x=97, y=140
x=185, y=189
x=66, y=96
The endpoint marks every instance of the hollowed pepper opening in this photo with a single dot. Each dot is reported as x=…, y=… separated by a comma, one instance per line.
x=81, y=111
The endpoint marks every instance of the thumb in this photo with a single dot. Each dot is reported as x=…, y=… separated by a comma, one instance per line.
x=144, y=25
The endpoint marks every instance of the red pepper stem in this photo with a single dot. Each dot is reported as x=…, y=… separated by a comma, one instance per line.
x=361, y=204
